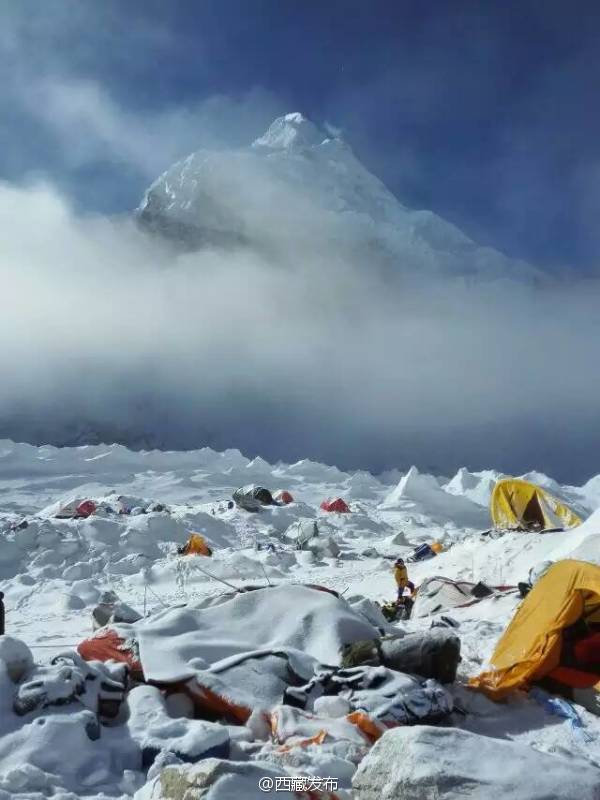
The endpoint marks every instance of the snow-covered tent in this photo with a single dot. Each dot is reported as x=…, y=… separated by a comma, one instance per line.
x=229, y=655
x=252, y=498
x=438, y=594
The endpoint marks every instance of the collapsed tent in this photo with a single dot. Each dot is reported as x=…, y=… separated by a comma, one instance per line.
x=306, y=534
x=108, y=645
x=523, y=506
x=252, y=498
x=63, y=510
x=533, y=645
x=437, y=594
x=234, y=656
x=301, y=532
x=338, y=506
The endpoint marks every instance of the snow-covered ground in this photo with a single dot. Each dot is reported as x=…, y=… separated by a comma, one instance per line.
x=53, y=572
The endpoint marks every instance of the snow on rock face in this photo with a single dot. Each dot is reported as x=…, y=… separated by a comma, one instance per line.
x=240, y=197
x=446, y=763
x=290, y=131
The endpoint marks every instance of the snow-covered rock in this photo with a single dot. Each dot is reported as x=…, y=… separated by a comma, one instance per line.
x=446, y=763
x=16, y=657
x=215, y=779
x=154, y=730
x=331, y=706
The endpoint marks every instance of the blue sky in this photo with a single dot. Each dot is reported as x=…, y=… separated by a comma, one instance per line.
x=486, y=113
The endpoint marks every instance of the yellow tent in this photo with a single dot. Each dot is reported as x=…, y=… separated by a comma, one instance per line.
x=519, y=505
x=196, y=545
x=531, y=645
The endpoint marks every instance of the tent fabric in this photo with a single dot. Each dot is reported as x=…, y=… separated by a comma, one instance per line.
x=284, y=497
x=67, y=510
x=587, y=651
x=252, y=498
x=310, y=625
x=387, y=696
x=302, y=531
x=520, y=505
x=107, y=645
x=196, y=545
x=421, y=553
x=574, y=678
x=85, y=509
x=338, y=505
x=232, y=657
x=532, y=644
x=294, y=727
x=439, y=594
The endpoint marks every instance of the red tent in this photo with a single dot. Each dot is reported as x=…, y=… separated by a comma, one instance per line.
x=284, y=497
x=85, y=509
x=338, y=505
x=107, y=645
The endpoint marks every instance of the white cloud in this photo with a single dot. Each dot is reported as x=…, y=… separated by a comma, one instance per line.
x=90, y=127
x=307, y=355
x=45, y=61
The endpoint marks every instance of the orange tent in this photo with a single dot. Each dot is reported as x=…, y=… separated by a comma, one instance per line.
x=196, y=545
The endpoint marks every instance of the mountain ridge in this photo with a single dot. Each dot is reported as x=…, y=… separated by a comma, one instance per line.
x=296, y=178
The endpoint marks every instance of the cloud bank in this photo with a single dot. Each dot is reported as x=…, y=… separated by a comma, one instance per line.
x=290, y=352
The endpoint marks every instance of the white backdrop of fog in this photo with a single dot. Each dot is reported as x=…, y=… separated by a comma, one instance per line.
x=305, y=350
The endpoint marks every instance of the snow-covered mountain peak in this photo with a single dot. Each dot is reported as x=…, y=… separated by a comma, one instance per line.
x=291, y=131
x=297, y=188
